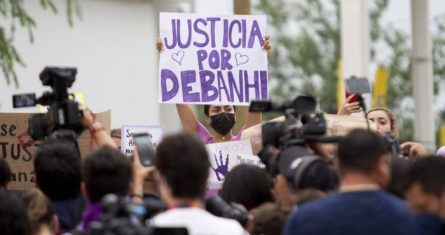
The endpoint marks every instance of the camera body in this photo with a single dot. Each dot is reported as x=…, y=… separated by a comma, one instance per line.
x=64, y=115
x=218, y=207
x=302, y=125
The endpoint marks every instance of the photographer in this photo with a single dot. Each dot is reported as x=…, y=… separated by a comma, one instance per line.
x=182, y=165
x=57, y=171
x=104, y=171
x=361, y=206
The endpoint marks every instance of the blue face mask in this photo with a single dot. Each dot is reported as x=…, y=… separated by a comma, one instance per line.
x=223, y=122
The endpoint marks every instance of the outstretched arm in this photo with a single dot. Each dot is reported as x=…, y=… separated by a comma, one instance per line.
x=188, y=118
x=253, y=119
x=101, y=137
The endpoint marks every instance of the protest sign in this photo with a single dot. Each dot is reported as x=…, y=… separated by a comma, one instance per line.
x=212, y=59
x=13, y=134
x=127, y=146
x=224, y=156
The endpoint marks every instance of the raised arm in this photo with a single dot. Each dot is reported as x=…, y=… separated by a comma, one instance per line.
x=253, y=119
x=188, y=118
x=101, y=137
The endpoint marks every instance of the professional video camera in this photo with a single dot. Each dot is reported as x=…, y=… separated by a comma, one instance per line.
x=121, y=217
x=302, y=125
x=64, y=117
x=217, y=206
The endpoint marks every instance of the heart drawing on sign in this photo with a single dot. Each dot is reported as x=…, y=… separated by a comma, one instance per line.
x=178, y=56
x=241, y=59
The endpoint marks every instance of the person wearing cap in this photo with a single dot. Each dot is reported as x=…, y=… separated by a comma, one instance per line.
x=298, y=170
x=361, y=206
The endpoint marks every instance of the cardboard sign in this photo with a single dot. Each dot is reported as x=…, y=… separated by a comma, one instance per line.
x=13, y=131
x=127, y=147
x=225, y=156
x=212, y=59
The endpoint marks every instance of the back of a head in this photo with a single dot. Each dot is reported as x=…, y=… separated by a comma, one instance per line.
x=105, y=171
x=13, y=218
x=57, y=169
x=39, y=210
x=5, y=173
x=269, y=219
x=429, y=172
x=183, y=160
x=319, y=175
x=360, y=150
x=247, y=185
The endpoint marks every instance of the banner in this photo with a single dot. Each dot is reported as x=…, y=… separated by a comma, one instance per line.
x=127, y=146
x=225, y=156
x=13, y=134
x=212, y=59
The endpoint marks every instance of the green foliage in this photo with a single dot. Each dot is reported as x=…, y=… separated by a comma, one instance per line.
x=306, y=39
x=15, y=14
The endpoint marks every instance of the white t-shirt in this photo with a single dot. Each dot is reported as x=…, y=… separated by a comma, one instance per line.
x=198, y=222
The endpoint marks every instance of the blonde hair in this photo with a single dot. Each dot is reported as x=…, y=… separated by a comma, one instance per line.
x=391, y=117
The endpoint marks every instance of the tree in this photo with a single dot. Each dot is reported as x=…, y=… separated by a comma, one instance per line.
x=16, y=14
x=306, y=38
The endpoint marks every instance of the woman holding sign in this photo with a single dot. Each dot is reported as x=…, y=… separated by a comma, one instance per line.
x=221, y=118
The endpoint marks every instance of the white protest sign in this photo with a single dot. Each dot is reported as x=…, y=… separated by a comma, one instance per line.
x=127, y=146
x=225, y=156
x=212, y=59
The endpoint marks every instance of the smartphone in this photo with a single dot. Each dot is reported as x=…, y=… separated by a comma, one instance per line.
x=24, y=100
x=354, y=99
x=358, y=85
x=145, y=148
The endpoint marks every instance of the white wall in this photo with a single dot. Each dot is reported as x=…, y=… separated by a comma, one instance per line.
x=113, y=49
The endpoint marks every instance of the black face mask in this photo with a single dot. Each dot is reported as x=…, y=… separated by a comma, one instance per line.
x=223, y=122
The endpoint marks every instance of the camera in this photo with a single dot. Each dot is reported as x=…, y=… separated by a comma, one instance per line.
x=393, y=146
x=218, y=207
x=302, y=125
x=121, y=216
x=64, y=117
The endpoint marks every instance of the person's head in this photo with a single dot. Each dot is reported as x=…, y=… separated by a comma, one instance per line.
x=105, y=171
x=425, y=191
x=300, y=171
x=399, y=176
x=5, y=173
x=40, y=212
x=364, y=152
x=383, y=119
x=13, y=218
x=220, y=117
x=116, y=136
x=183, y=166
x=269, y=219
x=247, y=185
x=57, y=169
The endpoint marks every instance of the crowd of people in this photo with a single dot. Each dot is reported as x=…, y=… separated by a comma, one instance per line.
x=364, y=189
x=369, y=184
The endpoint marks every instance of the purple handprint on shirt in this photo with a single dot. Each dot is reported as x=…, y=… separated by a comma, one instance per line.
x=222, y=168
